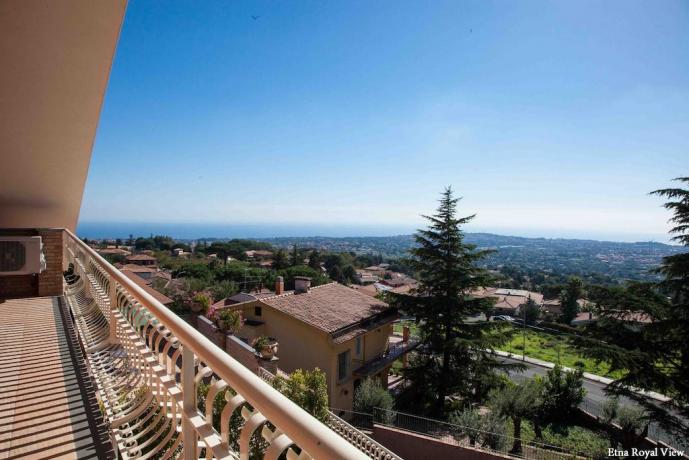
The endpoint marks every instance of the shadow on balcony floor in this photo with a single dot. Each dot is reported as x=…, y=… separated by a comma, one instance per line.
x=47, y=403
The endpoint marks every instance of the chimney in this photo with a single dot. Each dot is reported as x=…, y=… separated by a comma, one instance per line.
x=279, y=285
x=302, y=284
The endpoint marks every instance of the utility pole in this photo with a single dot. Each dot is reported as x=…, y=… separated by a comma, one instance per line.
x=524, y=329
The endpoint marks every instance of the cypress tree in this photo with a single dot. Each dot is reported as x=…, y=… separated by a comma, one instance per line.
x=294, y=259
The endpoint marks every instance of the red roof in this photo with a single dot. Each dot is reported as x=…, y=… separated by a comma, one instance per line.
x=160, y=297
x=140, y=257
x=330, y=307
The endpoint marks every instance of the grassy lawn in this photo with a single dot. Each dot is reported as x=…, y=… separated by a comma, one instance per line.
x=543, y=346
x=412, y=325
x=555, y=349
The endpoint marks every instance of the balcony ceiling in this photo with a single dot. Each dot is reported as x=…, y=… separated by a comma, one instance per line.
x=55, y=58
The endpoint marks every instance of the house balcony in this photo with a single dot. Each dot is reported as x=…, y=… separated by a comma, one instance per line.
x=397, y=349
x=105, y=370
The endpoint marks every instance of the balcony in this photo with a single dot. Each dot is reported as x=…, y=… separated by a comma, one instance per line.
x=117, y=373
x=395, y=351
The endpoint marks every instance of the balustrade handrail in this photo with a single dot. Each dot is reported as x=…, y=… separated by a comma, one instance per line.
x=301, y=427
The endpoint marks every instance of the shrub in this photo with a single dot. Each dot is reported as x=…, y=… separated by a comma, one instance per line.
x=488, y=430
x=609, y=410
x=308, y=389
x=494, y=432
x=631, y=419
x=469, y=424
x=229, y=320
x=371, y=395
x=201, y=302
x=223, y=289
x=562, y=393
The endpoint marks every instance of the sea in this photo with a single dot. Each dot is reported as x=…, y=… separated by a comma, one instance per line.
x=98, y=230
x=194, y=231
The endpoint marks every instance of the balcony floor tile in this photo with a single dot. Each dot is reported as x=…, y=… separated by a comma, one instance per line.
x=45, y=409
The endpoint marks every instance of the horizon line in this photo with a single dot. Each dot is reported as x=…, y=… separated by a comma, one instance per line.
x=666, y=240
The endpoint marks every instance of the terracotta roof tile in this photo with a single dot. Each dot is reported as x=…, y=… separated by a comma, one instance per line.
x=329, y=307
x=138, y=268
x=160, y=297
x=140, y=257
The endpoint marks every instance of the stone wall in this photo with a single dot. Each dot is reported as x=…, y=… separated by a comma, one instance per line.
x=50, y=281
x=235, y=347
x=594, y=423
x=414, y=446
x=210, y=330
x=241, y=352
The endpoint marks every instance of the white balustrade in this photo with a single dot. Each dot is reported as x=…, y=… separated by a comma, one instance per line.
x=155, y=373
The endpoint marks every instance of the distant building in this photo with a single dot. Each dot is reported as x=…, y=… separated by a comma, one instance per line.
x=142, y=259
x=113, y=251
x=179, y=252
x=147, y=273
x=258, y=254
x=375, y=269
x=159, y=296
x=633, y=320
x=396, y=282
x=509, y=301
x=365, y=277
x=583, y=318
x=552, y=308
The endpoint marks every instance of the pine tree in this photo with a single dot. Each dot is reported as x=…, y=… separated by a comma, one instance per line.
x=335, y=273
x=654, y=355
x=280, y=260
x=531, y=311
x=452, y=352
x=315, y=260
x=569, y=299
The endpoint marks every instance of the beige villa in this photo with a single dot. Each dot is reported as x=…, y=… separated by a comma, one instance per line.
x=333, y=327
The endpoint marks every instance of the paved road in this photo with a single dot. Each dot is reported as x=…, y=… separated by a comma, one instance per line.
x=594, y=390
x=595, y=396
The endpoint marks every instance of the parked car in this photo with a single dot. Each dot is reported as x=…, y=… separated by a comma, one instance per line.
x=502, y=318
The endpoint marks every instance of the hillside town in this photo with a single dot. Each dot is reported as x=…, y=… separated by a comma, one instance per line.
x=390, y=230
x=280, y=311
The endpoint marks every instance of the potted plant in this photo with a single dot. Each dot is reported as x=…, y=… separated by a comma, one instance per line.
x=229, y=320
x=267, y=347
x=200, y=303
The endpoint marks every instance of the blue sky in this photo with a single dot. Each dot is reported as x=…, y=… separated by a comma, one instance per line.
x=549, y=118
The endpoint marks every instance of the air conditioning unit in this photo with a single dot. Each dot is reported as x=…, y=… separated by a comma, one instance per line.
x=21, y=255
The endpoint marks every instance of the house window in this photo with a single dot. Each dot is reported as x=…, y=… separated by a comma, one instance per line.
x=257, y=311
x=358, y=346
x=343, y=365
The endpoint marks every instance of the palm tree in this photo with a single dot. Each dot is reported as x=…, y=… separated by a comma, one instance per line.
x=517, y=402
